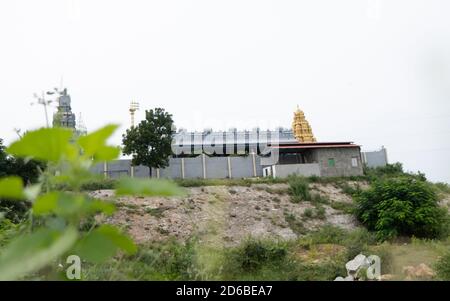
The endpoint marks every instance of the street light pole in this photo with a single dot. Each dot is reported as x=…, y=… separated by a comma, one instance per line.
x=42, y=101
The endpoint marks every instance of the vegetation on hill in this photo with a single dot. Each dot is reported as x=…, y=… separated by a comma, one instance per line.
x=400, y=203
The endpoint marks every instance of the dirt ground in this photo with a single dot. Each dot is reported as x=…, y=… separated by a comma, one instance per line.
x=226, y=215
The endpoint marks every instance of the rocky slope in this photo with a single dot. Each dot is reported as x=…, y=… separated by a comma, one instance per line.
x=228, y=214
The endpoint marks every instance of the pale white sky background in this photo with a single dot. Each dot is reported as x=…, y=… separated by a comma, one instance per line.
x=370, y=71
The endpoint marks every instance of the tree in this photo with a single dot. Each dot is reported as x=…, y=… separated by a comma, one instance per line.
x=150, y=143
x=28, y=170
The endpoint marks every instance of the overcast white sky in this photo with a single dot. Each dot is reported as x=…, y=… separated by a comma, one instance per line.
x=370, y=71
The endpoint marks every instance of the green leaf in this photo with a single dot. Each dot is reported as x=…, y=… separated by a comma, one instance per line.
x=94, y=144
x=29, y=253
x=48, y=144
x=107, y=153
x=147, y=187
x=46, y=204
x=68, y=205
x=12, y=188
x=102, y=206
x=103, y=243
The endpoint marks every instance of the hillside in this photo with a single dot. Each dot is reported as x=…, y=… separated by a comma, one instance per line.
x=319, y=235
x=232, y=213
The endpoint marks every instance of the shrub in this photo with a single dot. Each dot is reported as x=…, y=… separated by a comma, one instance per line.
x=391, y=171
x=442, y=187
x=402, y=206
x=299, y=189
x=252, y=255
x=442, y=267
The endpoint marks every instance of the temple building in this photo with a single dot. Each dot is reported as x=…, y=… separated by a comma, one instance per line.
x=254, y=153
x=301, y=128
x=64, y=117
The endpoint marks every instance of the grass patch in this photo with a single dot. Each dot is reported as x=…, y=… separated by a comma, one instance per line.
x=343, y=206
x=299, y=189
x=296, y=225
x=442, y=267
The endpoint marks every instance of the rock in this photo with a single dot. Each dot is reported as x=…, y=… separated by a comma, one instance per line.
x=386, y=277
x=360, y=261
x=348, y=278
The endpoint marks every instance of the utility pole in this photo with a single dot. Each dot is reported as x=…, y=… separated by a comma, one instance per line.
x=134, y=106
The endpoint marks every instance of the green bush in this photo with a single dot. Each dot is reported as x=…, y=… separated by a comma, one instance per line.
x=252, y=255
x=390, y=171
x=299, y=189
x=442, y=187
x=402, y=206
x=442, y=267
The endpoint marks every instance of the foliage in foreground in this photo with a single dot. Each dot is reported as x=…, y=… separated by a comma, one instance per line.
x=402, y=206
x=28, y=170
x=55, y=228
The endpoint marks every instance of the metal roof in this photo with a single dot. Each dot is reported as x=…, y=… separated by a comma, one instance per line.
x=315, y=145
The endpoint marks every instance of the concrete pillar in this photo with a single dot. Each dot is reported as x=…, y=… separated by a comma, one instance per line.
x=229, y=167
x=132, y=171
x=204, y=165
x=254, y=163
x=157, y=173
x=105, y=169
x=182, y=168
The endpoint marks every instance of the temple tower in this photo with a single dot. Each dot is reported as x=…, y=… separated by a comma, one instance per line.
x=64, y=116
x=301, y=128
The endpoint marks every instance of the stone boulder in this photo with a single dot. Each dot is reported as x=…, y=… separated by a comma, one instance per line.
x=357, y=263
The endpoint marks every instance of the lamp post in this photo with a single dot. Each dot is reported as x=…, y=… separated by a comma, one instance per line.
x=42, y=101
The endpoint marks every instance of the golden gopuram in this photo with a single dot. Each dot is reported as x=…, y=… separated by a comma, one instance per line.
x=301, y=128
